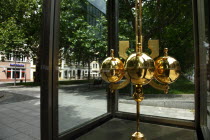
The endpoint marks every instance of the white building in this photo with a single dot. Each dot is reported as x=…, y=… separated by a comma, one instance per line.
x=77, y=71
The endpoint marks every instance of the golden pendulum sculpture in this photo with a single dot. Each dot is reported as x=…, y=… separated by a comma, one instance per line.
x=167, y=69
x=139, y=68
x=112, y=69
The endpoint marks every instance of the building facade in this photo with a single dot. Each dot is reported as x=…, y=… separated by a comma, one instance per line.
x=11, y=68
x=77, y=71
x=24, y=68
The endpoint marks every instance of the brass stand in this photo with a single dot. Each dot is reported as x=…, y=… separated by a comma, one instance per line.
x=138, y=97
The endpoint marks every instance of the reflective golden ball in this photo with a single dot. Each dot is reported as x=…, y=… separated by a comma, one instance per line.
x=112, y=69
x=139, y=68
x=167, y=69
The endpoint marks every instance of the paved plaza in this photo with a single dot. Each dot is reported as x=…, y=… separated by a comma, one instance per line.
x=20, y=109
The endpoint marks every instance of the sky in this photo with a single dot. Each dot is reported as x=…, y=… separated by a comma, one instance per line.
x=100, y=4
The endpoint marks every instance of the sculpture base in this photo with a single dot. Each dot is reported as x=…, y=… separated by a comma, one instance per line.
x=137, y=136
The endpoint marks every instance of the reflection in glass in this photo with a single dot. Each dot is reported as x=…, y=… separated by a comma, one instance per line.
x=171, y=24
x=206, y=44
x=83, y=45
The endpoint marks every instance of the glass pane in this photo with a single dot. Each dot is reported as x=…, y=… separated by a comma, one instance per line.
x=172, y=24
x=83, y=45
x=208, y=60
x=20, y=30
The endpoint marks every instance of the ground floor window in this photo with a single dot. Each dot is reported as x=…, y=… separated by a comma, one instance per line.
x=23, y=73
x=15, y=73
x=8, y=73
x=66, y=74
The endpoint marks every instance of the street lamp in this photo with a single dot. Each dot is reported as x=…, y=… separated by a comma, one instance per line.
x=15, y=68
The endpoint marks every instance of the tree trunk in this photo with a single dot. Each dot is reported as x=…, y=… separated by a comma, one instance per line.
x=37, y=76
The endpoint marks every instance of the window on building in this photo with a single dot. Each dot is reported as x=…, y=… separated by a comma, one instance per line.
x=9, y=73
x=16, y=73
x=34, y=61
x=22, y=58
x=19, y=57
x=34, y=74
x=65, y=74
x=23, y=73
x=70, y=73
x=9, y=57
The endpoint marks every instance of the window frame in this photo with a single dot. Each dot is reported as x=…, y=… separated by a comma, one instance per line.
x=49, y=76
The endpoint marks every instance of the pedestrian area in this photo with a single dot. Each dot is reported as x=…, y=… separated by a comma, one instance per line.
x=20, y=115
x=20, y=121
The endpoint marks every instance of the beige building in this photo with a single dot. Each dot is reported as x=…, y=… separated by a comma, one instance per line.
x=9, y=68
x=24, y=68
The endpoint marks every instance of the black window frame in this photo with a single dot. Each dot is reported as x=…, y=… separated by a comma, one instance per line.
x=49, y=76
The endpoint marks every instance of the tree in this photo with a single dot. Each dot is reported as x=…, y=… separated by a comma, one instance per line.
x=170, y=22
x=80, y=41
x=11, y=36
x=20, y=23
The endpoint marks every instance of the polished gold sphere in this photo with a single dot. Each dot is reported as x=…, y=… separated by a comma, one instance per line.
x=139, y=68
x=112, y=69
x=167, y=69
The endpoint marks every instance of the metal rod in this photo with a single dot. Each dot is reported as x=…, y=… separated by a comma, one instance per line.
x=138, y=25
x=138, y=117
x=15, y=70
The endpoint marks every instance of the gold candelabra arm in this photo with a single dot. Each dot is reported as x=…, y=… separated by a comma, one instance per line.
x=123, y=46
x=115, y=86
x=158, y=86
x=153, y=45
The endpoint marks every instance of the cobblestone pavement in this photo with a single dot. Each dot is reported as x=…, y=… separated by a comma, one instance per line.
x=20, y=110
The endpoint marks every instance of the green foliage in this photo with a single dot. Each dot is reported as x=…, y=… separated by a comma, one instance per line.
x=81, y=41
x=181, y=86
x=20, y=23
x=170, y=22
x=11, y=36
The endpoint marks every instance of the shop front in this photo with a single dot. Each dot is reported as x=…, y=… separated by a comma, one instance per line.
x=10, y=70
